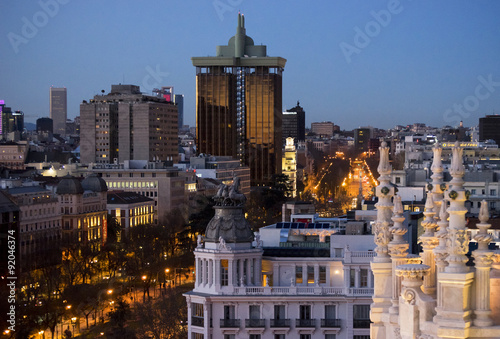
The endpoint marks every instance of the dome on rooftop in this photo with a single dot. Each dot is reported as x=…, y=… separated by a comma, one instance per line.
x=94, y=183
x=69, y=185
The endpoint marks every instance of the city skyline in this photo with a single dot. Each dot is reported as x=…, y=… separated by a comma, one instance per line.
x=378, y=63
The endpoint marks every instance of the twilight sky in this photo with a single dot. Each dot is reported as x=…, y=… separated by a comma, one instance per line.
x=355, y=63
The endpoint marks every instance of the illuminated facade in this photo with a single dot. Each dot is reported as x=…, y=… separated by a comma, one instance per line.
x=290, y=165
x=13, y=155
x=131, y=209
x=127, y=125
x=164, y=185
x=238, y=105
x=83, y=209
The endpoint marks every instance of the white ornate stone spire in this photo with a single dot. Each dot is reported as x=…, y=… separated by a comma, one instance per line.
x=429, y=242
x=483, y=260
x=458, y=241
x=384, y=192
x=437, y=187
x=382, y=263
x=398, y=249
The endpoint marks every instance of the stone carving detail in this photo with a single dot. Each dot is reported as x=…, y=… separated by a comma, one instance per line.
x=409, y=296
x=397, y=333
x=222, y=245
x=230, y=195
x=199, y=241
x=458, y=245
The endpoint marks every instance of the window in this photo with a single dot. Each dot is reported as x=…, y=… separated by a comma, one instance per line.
x=197, y=336
x=310, y=274
x=338, y=252
x=229, y=336
x=493, y=192
x=330, y=336
x=322, y=274
x=305, y=336
x=279, y=336
x=492, y=205
x=398, y=180
x=352, y=275
x=361, y=316
x=254, y=336
x=361, y=337
x=279, y=311
x=298, y=274
x=228, y=312
x=305, y=311
x=364, y=277
x=473, y=191
x=224, y=273
x=254, y=312
x=330, y=312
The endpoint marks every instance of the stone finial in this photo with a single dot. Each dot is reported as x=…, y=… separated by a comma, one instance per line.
x=484, y=214
x=398, y=205
x=443, y=213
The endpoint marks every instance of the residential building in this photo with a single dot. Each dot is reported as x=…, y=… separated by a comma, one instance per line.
x=127, y=125
x=362, y=139
x=239, y=105
x=83, y=209
x=293, y=280
x=59, y=109
x=324, y=129
x=40, y=226
x=13, y=155
x=294, y=124
x=164, y=185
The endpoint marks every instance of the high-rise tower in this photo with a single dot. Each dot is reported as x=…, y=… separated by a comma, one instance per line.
x=58, y=109
x=238, y=105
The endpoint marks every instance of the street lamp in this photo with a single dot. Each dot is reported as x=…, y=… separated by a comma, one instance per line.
x=73, y=322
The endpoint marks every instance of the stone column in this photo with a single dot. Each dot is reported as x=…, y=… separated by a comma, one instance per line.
x=495, y=289
x=483, y=260
x=231, y=274
x=347, y=279
x=210, y=272
x=258, y=272
x=249, y=271
x=429, y=242
x=398, y=249
x=241, y=275
x=217, y=269
x=357, y=274
x=440, y=253
x=316, y=274
x=382, y=265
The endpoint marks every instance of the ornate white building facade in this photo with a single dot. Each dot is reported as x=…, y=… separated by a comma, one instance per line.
x=291, y=280
x=441, y=294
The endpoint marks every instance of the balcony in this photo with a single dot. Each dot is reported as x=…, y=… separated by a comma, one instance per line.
x=330, y=323
x=361, y=323
x=280, y=323
x=255, y=323
x=197, y=321
x=305, y=322
x=230, y=323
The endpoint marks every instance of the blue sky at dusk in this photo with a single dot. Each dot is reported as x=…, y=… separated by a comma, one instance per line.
x=356, y=63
